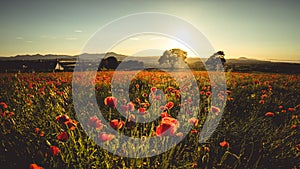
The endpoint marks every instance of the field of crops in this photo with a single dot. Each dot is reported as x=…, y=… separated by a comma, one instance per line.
x=41, y=128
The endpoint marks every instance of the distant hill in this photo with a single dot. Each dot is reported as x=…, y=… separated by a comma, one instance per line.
x=241, y=64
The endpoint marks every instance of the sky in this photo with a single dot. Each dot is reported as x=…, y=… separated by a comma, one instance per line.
x=267, y=30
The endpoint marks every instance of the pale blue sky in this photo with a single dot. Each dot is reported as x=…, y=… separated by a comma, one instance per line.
x=257, y=29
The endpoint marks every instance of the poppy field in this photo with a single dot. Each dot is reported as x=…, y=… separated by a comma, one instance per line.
x=40, y=128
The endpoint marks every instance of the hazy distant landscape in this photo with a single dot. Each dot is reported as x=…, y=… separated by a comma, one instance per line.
x=242, y=64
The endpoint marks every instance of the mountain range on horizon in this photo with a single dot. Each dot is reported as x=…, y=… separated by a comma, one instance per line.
x=120, y=57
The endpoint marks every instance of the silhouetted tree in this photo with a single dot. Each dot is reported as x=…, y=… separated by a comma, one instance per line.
x=213, y=62
x=172, y=56
x=109, y=63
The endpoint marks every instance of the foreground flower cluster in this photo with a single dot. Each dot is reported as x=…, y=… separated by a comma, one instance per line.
x=40, y=129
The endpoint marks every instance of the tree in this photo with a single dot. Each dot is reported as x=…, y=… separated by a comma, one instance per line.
x=213, y=62
x=172, y=56
x=109, y=63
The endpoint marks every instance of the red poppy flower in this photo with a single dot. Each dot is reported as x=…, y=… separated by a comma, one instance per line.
x=54, y=150
x=164, y=114
x=269, y=114
x=36, y=130
x=110, y=102
x=116, y=124
x=4, y=105
x=144, y=94
x=137, y=100
x=153, y=89
x=130, y=106
x=168, y=126
x=142, y=110
x=202, y=92
x=62, y=118
x=215, y=110
x=106, y=137
x=224, y=144
x=72, y=124
x=95, y=122
x=208, y=93
x=293, y=126
x=169, y=105
x=35, y=166
x=144, y=104
x=42, y=134
x=261, y=102
x=280, y=107
x=256, y=82
x=193, y=121
x=194, y=131
x=63, y=136
x=298, y=147
x=290, y=109
x=264, y=96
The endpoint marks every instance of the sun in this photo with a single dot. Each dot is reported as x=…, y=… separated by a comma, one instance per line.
x=149, y=45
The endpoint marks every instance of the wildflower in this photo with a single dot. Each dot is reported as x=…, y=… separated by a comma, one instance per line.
x=138, y=100
x=62, y=118
x=215, y=110
x=153, y=89
x=144, y=104
x=142, y=110
x=169, y=105
x=256, y=82
x=168, y=126
x=63, y=136
x=164, y=114
x=106, y=137
x=72, y=124
x=290, y=109
x=280, y=107
x=110, y=101
x=269, y=114
x=116, y=124
x=144, y=94
x=208, y=93
x=261, y=102
x=202, y=92
x=36, y=130
x=224, y=144
x=54, y=150
x=264, y=96
x=130, y=106
x=193, y=121
x=42, y=134
x=35, y=166
x=194, y=131
x=298, y=147
x=95, y=122
x=293, y=126
x=4, y=105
